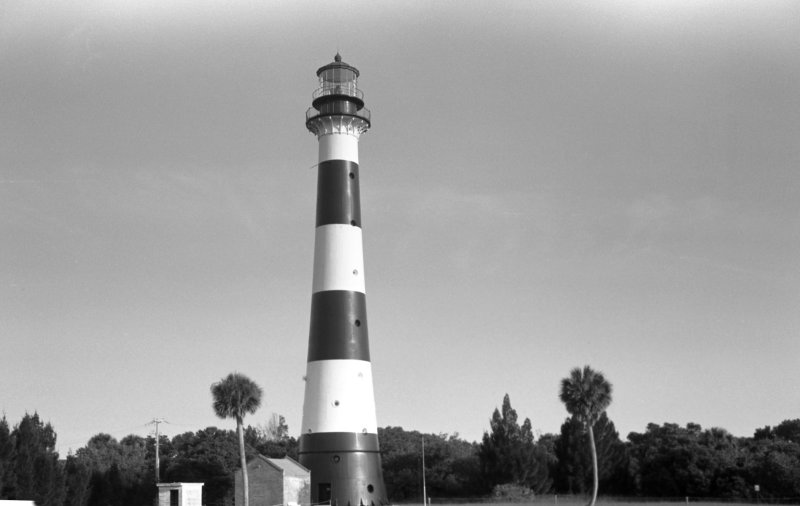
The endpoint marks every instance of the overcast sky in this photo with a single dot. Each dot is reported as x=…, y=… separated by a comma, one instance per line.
x=546, y=185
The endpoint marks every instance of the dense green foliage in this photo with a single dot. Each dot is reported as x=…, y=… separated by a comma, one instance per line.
x=451, y=465
x=272, y=439
x=666, y=460
x=111, y=472
x=509, y=455
x=120, y=476
x=573, y=462
x=679, y=461
x=29, y=467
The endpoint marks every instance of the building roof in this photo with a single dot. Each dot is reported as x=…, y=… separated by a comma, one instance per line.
x=289, y=466
x=337, y=63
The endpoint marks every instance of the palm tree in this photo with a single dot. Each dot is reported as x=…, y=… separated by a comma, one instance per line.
x=586, y=394
x=234, y=396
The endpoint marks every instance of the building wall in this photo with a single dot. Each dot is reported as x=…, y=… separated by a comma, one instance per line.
x=297, y=490
x=266, y=485
x=186, y=494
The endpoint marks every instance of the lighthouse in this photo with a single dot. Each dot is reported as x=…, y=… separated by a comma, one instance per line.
x=339, y=439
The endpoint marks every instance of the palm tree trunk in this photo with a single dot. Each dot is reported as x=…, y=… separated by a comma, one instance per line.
x=594, y=467
x=243, y=460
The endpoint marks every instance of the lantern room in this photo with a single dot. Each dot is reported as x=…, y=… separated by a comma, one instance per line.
x=337, y=104
x=338, y=81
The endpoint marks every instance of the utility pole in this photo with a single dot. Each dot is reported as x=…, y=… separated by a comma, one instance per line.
x=424, y=491
x=157, y=421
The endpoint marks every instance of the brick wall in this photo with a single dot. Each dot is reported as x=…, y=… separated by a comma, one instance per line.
x=266, y=485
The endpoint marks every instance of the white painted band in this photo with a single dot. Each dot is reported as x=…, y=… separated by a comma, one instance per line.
x=338, y=147
x=339, y=397
x=338, y=259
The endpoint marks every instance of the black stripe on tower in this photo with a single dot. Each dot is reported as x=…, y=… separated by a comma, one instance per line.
x=325, y=442
x=352, y=478
x=338, y=326
x=338, y=200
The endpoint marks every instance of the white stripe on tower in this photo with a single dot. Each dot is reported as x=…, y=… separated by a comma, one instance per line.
x=338, y=147
x=338, y=259
x=339, y=397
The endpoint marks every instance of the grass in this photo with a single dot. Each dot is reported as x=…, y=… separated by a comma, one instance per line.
x=543, y=500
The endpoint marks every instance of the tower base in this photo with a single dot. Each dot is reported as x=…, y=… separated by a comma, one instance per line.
x=346, y=469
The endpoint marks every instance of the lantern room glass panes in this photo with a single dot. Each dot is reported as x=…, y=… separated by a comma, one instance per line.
x=338, y=81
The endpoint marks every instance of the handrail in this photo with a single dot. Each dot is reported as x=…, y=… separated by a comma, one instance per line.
x=363, y=113
x=347, y=89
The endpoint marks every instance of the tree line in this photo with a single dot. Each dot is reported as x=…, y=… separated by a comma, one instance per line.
x=666, y=460
x=111, y=472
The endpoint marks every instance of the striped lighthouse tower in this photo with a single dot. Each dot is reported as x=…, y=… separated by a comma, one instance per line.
x=339, y=440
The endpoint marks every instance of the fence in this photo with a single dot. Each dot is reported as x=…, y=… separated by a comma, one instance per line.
x=573, y=500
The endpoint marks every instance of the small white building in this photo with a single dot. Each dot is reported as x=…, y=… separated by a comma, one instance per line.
x=180, y=494
x=274, y=481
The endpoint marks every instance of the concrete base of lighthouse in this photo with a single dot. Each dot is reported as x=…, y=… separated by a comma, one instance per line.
x=346, y=468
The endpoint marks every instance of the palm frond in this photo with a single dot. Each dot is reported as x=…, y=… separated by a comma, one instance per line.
x=586, y=394
x=235, y=396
